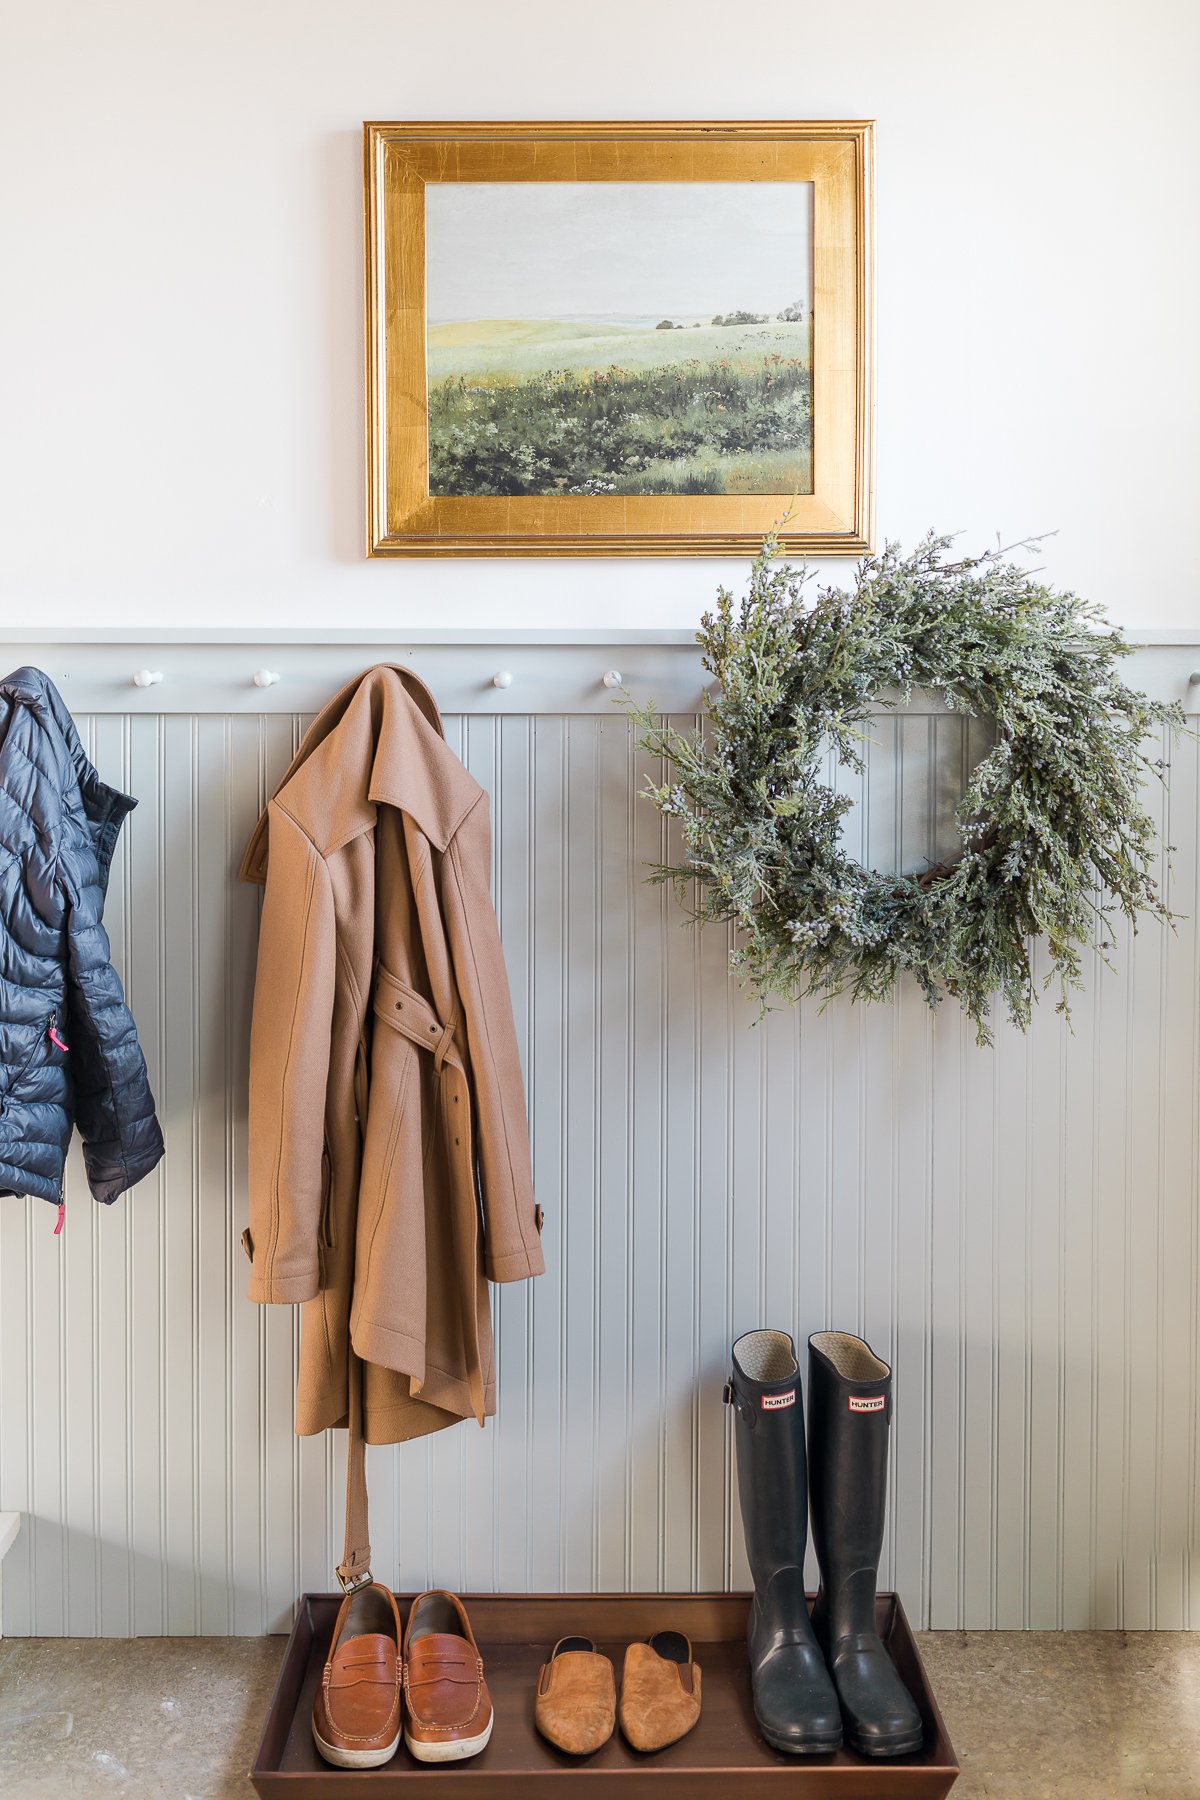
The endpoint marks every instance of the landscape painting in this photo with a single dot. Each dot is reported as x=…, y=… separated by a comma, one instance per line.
x=619, y=337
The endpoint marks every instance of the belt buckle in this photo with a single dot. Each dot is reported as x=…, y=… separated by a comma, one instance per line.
x=350, y=1584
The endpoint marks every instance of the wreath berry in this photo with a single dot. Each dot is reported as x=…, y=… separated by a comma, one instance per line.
x=1056, y=840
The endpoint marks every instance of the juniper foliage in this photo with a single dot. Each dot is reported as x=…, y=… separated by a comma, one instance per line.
x=1057, y=842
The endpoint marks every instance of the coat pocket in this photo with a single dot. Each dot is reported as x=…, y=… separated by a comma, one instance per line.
x=325, y=1226
x=47, y=1044
x=326, y=1199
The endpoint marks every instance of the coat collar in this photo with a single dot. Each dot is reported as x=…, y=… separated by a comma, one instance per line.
x=379, y=741
x=76, y=784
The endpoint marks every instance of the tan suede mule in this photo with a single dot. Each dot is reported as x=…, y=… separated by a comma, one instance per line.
x=576, y=1703
x=660, y=1691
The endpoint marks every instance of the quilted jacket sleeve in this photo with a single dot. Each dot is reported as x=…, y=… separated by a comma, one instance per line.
x=512, y=1246
x=114, y=1108
x=289, y=1066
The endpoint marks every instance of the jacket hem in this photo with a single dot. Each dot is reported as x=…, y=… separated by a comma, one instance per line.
x=50, y=1192
x=108, y=1191
x=406, y=1356
x=393, y=1424
x=515, y=1265
x=398, y=1423
x=283, y=1290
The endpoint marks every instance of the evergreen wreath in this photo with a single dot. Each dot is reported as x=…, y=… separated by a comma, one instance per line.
x=1056, y=839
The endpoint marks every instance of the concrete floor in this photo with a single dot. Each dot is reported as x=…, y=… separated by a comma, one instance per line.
x=1033, y=1716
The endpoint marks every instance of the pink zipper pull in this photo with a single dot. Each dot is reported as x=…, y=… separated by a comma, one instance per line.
x=52, y=1034
x=62, y=1218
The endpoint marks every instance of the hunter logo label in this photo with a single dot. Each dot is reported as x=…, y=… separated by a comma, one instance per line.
x=772, y=1402
x=867, y=1402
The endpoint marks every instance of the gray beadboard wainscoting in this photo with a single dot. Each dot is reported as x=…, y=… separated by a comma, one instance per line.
x=1016, y=1228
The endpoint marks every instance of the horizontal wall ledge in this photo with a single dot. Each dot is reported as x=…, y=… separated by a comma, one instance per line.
x=513, y=672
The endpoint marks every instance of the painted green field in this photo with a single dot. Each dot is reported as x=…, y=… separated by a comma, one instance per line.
x=513, y=348
x=531, y=406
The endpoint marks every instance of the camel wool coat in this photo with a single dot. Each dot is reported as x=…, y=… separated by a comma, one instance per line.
x=389, y=1152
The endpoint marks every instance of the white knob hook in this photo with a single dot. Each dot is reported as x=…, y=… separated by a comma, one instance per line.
x=502, y=678
x=145, y=678
x=613, y=678
x=265, y=677
x=1194, y=678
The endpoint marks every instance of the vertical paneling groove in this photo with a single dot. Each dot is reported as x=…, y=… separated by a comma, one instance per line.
x=156, y=877
x=631, y=1150
x=1016, y=1228
x=1188, y=816
x=199, y=1196
x=228, y=1154
x=118, y=1294
x=1096, y=1241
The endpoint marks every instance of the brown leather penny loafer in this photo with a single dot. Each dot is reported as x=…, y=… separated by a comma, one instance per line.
x=660, y=1691
x=576, y=1702
x=356, y=1714
x=449, y=1708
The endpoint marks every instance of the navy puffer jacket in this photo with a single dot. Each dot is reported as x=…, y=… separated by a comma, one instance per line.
x=68, y=1047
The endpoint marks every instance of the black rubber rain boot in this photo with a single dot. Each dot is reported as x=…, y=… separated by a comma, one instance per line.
x=849, y=1416
x=794, y=1701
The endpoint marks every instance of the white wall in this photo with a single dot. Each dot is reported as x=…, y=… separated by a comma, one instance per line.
x=181, y=302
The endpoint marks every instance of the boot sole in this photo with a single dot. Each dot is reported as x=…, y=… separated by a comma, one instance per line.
x=875, y=1751
x=803, y=1746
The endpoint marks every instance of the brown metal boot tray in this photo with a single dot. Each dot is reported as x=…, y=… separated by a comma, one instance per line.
x=723, y=1758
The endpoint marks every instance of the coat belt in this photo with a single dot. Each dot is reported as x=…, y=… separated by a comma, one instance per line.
x=407, y=1011
x=402, y=1008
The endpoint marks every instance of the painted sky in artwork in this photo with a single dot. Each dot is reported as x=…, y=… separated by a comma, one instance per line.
x=571, y=249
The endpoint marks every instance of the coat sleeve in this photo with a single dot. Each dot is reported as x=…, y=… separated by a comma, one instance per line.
x=114, y=1107
x=512, y=1246
x=289, y=1066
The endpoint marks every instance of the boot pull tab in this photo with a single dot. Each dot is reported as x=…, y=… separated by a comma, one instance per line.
x=731, y=1397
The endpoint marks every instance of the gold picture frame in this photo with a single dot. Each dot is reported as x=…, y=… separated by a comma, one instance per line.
x=404, y=518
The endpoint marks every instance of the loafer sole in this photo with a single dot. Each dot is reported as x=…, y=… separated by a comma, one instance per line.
x=355, y=1759
x=453, y=1750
